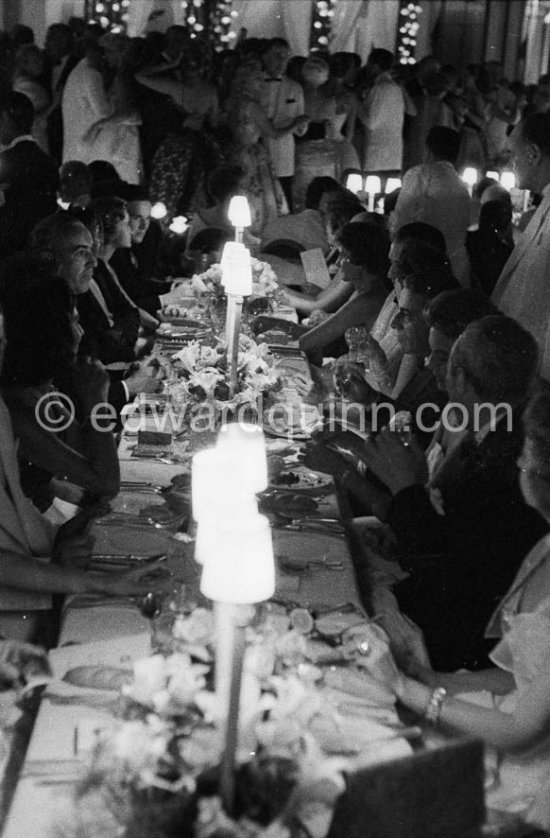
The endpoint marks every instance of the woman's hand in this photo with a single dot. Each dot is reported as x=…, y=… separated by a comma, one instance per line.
x=137, y=582
x=91, y=381
x=74, y=552
x=308, y=390
x=398, y=465
x=373, y=653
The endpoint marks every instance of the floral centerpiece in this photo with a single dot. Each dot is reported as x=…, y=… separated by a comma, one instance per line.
x=203, y=370
x=265, y=287
x=156, y=775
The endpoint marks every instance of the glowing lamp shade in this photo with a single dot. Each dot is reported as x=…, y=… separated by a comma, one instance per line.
x=240, y=506
x=159, y=211
x=179, y=225
x=63, y=204
x=238, y=563
x=508, y=180
x=470, y=176
x=392, y=184
x=236, y=269
x=212, y=477
x=239, y=211
x=492, y=175
x=373, y=185
x=354, y=182
x=245, y=443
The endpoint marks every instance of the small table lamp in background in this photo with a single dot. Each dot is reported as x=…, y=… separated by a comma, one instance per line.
x=239, y=215
x=470, y=177
x=508, y=180
x=354, y=182
x=373, y=187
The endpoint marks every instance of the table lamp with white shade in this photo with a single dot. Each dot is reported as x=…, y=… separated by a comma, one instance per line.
x=247, y=443
x=238, y=570
x=470, y=176
x=508, y=180
x=237, y=281
x=239, y=215
x=492, y=174
x=392, y=184
x=373, y=187
x=354, y=182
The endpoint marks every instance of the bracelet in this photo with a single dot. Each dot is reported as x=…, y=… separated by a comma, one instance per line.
x=433, y=709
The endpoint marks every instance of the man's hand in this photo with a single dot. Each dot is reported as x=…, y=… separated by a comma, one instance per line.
x=396, y=464
x=74, y=552
x=19, y=662
x=320, y=458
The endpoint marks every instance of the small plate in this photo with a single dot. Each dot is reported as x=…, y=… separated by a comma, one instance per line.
x=301, y=479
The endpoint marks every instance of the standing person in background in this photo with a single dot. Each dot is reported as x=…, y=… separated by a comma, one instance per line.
x=434, y=193
x=284, y=102
x=59, y=62
x=26, y=80
x=523, y=290
x=383, y=114
x=28, y=176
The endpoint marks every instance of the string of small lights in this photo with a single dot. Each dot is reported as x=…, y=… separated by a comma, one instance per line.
x=321, y=24
x=111, y=14
x=408, y=29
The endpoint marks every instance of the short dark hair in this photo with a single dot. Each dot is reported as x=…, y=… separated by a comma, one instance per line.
x=417, y=257
x=499, y=357
x=536, y=129
x=102, y=170
x=451, y=311
x=368, y=245
x=383, y=57
x=19, y=109
x=275, y=42
x=317, y=188
x=444, y=143
x=75, y=169
x=495, y=215
x=340, y=210
x=422, y=232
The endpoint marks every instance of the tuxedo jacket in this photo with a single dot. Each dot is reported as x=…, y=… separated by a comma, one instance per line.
x=462, y=563
x=31, y=180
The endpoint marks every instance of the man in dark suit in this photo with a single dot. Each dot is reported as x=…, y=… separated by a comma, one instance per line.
x=28, y=176
x=59, y=62
x=462, y=535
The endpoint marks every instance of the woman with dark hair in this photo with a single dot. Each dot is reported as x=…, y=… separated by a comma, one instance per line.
x=42, y=337
x=364, y=247
x=490, y=245
x=109, y=318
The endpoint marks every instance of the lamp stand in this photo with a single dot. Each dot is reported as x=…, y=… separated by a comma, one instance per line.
x=232, y=332
x=227, y=777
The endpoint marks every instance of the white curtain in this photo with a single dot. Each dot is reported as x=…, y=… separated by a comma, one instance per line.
x=297, y=24
x=344, y=21
x=261, y=18
x=431, y=9
x=153, y=16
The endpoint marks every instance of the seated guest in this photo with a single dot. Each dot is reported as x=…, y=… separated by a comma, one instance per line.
x=364, y=248
x=417, y=248
x=28, y=176
x=43, y=335
x=434, y=193
x=338, y=211
x=135, y=266
x=490, y=245
x=75, y=183
x=68, y=244
x=27, y=576
x=507, y=705
x=462, y=556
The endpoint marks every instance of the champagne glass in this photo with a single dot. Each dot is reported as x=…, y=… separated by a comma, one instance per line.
x=150, y=607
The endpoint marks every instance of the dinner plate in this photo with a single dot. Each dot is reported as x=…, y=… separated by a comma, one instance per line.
x=301, y=479
x=297, y=550
x=291, y=421
x=289, y=504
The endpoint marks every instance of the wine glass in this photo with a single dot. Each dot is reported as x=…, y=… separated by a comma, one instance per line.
x=150, y=607
x=355, y=337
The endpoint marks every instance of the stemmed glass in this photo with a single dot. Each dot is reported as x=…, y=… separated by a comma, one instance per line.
x=356, y=338
x=150, y=607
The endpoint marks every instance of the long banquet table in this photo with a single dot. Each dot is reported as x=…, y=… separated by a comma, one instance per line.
x=113, y=632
